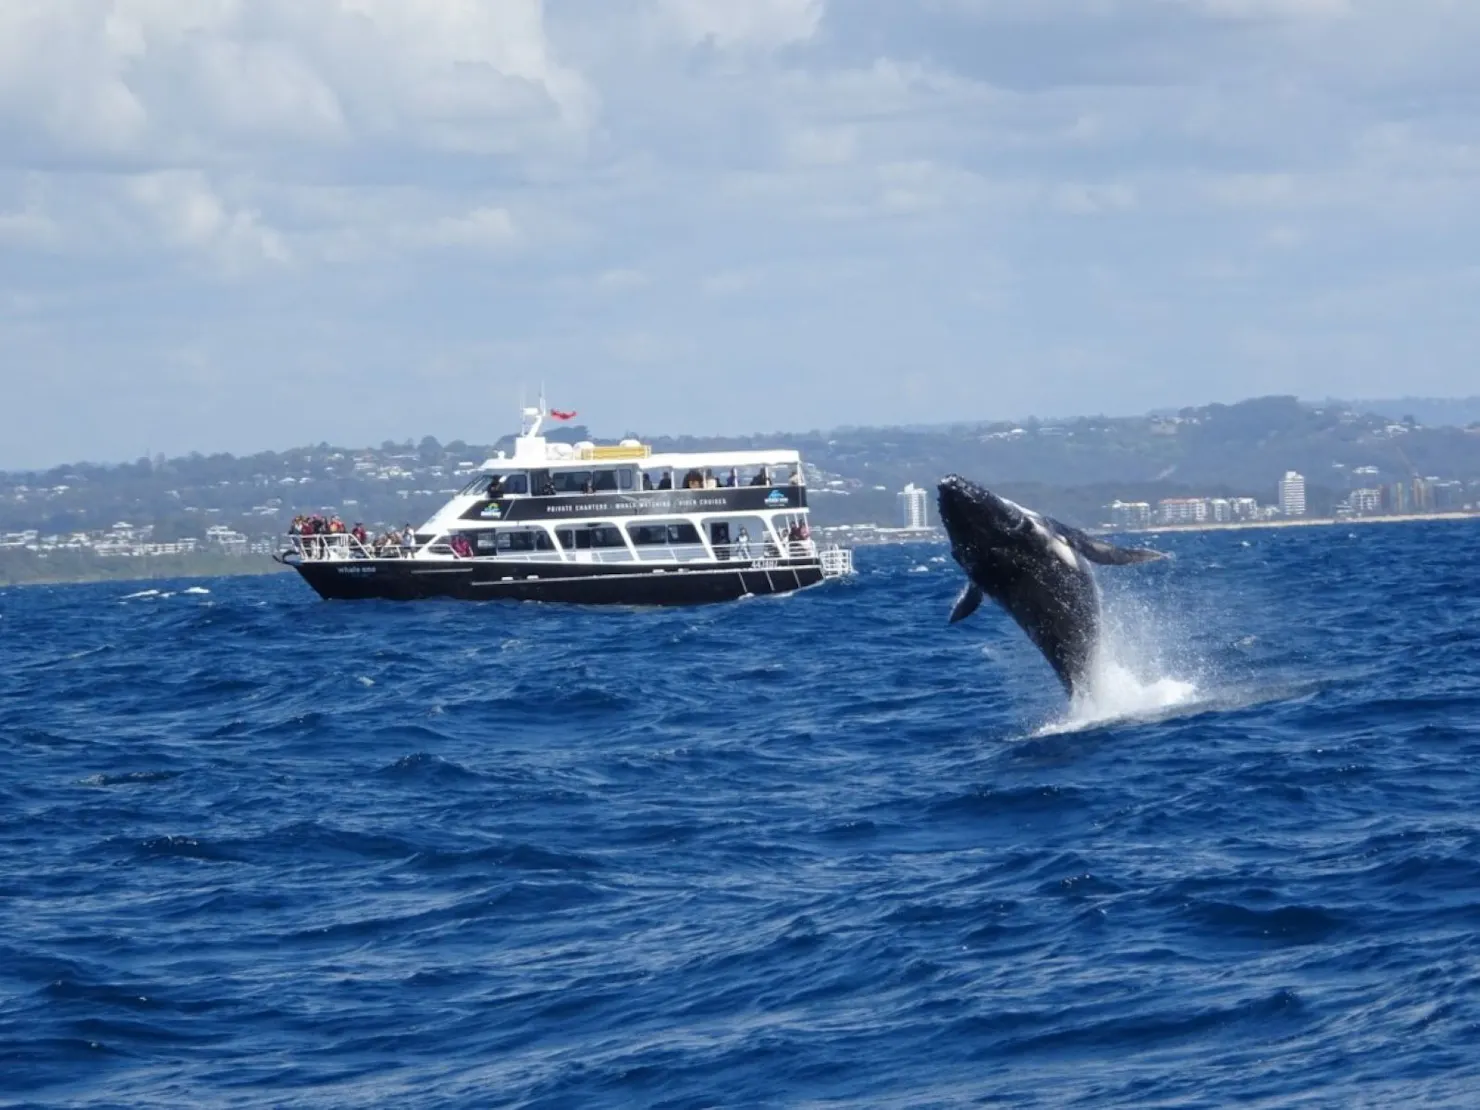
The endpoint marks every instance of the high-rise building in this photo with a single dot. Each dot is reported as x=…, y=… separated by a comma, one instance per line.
x=1292, y=494
x=1182, y=510
x=912, y=506
x=1130, y=514
x=1395, y=498
x=1365, y=502
x=1449, y=495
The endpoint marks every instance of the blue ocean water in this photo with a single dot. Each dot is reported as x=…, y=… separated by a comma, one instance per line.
x=259, y=849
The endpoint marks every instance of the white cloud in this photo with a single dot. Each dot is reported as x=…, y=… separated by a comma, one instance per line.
x=485, y=228
x=1269, y=9
x=190, y=215
x=822, y=146
x=158, y=79
x=728, y=283
x=618, y=281
x=731, y=24
x=27, y=226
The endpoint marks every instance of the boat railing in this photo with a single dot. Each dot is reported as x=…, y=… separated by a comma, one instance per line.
x=344, y=545
x=764, y=554
x=837, y=562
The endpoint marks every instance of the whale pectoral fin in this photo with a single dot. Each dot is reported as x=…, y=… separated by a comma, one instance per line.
x=967, y=603
x=1106, y=554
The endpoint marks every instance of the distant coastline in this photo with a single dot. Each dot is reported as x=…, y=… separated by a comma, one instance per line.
x=34, y=571
x=1296, y=522
x=72, y=568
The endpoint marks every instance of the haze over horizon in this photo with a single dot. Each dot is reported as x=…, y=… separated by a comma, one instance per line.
x=230, y=226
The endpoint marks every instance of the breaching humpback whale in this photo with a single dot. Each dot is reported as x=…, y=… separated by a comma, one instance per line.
x=1035, y=568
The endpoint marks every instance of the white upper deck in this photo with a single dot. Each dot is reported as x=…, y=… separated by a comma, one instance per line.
x=533, y=452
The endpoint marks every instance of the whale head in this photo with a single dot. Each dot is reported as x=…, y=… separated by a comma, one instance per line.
x=1034, y=567
x=980, y=523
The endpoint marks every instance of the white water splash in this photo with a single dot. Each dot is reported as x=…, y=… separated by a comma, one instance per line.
x=141, y=593
x=195, y=590
x=1116, y=693
x=1141, y=671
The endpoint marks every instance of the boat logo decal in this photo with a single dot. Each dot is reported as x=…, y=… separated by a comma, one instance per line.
x=777, y=497
x=491, y=511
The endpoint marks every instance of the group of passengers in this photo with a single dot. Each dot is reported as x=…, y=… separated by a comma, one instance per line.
x=795, y=536
x=315, y=532
x=788, y=541
x=316, y=525
x=706, y=479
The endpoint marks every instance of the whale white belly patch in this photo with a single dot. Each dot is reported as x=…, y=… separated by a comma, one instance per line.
x=1054, y=541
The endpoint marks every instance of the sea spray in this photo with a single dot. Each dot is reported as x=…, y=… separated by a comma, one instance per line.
x=1143, y=666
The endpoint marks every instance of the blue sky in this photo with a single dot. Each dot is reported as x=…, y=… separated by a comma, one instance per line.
x=238, y=224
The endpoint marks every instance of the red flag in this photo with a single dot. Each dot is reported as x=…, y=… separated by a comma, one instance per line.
x=558, y=415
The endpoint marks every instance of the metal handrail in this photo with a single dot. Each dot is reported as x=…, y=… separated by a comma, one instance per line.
x=344, y=545
x=760, y=553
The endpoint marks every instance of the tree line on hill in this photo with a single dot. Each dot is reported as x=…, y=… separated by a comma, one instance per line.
x=1071, y=468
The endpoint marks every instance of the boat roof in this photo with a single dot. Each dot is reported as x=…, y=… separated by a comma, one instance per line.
x=584, y=456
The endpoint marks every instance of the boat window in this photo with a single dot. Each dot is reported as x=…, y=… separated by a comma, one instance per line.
x=624, y=478
x=484, y=541
x=604, y=481
x=667, y=534
x=571, y=481
x=516, y=483
x=591, y=536
x=477, y=485
x=539, y=482
x=524, y=539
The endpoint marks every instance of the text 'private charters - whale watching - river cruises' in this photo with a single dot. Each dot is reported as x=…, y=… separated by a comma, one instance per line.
x=583, y=523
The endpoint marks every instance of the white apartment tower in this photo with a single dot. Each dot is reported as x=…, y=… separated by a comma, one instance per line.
x=1292, y=494
x=912, y=506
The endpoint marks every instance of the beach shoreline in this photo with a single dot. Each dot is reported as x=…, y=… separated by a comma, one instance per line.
x=1298, y=522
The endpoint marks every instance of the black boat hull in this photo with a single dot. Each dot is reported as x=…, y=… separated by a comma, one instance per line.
x=572, y=583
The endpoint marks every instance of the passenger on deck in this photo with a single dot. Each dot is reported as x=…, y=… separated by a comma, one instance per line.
x=796, y=478
x=693, y=480
x=547, y=488
x=358, y=531
x=762, y=478
x=795, y=537
x=742, y=544
x=666, y=482
x=647, y=480
x=586, y=486
x=495, y=487
x=732, y=479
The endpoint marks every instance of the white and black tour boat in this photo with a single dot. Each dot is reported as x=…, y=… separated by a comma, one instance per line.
x=584, y=523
